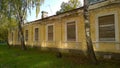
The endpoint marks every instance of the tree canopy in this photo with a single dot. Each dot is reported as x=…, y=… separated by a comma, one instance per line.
x=17, y=9
x=70, y=5
x=5, y=25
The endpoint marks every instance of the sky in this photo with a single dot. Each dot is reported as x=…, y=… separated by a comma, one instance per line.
x=50, y=6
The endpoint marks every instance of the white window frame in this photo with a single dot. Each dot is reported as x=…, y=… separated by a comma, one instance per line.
x=66, y=39
x=47, y=32
x=116, y=28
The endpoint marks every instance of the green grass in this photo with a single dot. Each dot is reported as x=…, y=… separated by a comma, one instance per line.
x=32, y=58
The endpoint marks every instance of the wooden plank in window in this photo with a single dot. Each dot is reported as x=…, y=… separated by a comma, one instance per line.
x=109, y=19
x=71, y=31
x=18, y=36
x=50, y=33
x=36, y=34
x=106, y=28
x=26, y=35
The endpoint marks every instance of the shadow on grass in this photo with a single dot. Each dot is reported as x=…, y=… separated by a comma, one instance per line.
x=16, y=58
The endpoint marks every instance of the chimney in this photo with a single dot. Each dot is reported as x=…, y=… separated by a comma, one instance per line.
x=44, y=14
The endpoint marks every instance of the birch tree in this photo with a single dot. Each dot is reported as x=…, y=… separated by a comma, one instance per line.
x=18, y=10
x=90, y=50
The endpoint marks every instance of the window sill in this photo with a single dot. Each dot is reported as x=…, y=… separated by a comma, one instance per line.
x=72, y=42
x=106, y=42
x=36, y=41
x=49, y=41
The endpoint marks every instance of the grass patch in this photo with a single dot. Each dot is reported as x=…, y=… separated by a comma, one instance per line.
x=16, y=58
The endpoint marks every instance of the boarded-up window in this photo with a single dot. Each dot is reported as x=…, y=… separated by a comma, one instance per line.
x=12, y=36
x=107, y=28
x=36, y=34
x=50, y=33
x=26, y=35
x=18, y=36
x=71, y=31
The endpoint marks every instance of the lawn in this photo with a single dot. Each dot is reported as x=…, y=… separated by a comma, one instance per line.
x=16, y=58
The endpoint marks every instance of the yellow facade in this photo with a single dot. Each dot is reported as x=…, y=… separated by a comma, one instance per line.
x=59, y=30
x=113, y=46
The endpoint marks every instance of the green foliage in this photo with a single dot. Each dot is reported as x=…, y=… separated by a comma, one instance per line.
x=17, y=9
x=70, y=5
x=5, y=25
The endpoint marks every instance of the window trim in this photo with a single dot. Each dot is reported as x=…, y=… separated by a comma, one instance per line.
x=116, y=29
x=66, y=39
x=47, y=32
x=116, y=26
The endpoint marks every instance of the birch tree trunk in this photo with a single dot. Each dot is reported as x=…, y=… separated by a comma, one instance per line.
x=90, y=50
x=20, y=24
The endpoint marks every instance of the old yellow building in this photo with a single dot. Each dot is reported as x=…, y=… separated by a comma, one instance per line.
x=65, y=31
